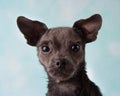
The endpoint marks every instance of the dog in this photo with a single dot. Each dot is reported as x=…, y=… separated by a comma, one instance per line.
x=61, y=50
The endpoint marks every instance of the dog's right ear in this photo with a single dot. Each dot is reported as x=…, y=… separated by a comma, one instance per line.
x=32, y=30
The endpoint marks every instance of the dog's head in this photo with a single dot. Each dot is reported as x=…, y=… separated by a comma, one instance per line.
x=61, y=49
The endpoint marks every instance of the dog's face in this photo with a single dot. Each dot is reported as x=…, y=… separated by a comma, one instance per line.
x=60, y=50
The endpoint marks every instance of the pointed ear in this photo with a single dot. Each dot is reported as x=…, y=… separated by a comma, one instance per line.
x=89, y=27
x=32, y=30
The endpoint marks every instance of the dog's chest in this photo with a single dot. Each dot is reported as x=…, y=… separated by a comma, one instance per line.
x=65, y=90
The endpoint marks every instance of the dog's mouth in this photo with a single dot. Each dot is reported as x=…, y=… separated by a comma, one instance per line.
x=61, y=74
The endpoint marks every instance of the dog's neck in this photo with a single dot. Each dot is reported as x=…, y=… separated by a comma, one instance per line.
x=69, y=87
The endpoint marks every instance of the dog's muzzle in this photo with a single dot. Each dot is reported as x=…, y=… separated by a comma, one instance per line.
x=61, y=69
x=60, y=64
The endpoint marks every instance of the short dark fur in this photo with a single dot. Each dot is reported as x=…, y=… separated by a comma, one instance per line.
x=61, y=51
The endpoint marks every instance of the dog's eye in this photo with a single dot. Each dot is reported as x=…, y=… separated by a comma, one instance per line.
x=45, y=49
x=75, y=47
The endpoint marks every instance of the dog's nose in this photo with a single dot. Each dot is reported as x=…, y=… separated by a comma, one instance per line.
x=60, y=63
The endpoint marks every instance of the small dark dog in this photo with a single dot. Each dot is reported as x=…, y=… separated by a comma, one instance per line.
x=61, y=51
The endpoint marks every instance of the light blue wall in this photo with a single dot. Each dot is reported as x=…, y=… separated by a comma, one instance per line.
x=20, y=72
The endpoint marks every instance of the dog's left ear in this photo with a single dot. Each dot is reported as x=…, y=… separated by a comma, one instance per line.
x=32, y=30
x=88, y=28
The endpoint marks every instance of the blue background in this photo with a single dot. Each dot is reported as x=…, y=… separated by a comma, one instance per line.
x=20, y=71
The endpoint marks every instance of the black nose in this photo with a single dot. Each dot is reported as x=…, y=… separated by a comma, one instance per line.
x=60, y=63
